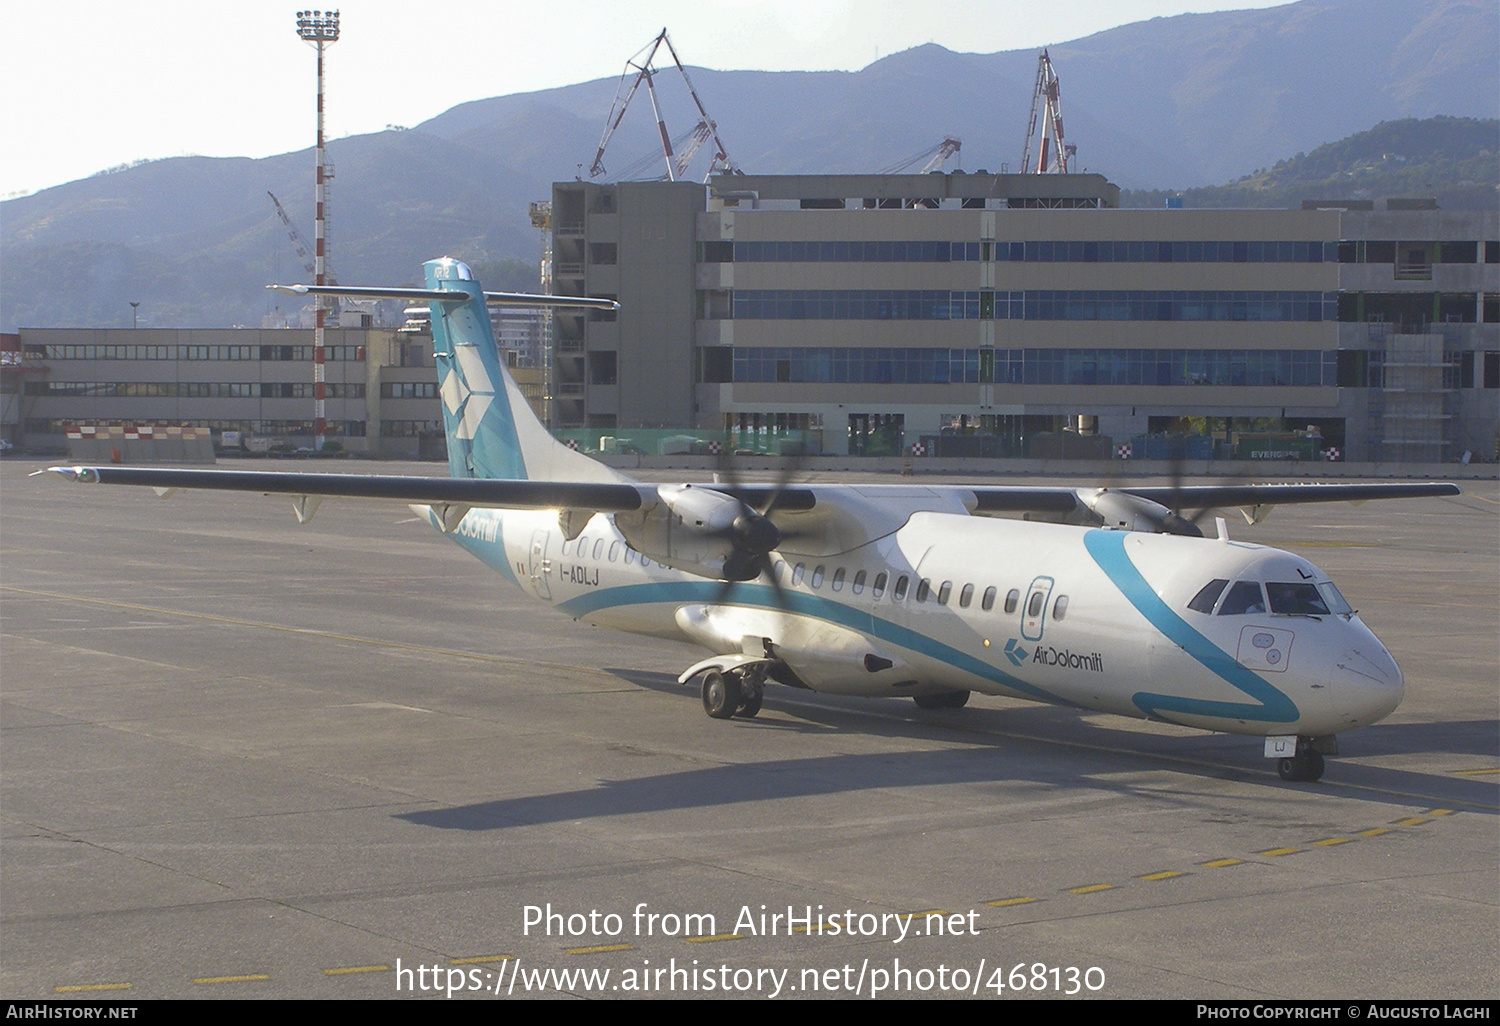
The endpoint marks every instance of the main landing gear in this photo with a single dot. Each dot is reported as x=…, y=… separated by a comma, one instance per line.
x=733, y=692
x=946, y=700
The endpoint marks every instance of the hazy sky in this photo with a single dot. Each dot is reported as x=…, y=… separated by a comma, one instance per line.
x=95, y=84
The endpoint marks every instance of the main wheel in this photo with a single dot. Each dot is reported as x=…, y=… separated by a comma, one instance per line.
x=946, y=700
x=751, y=697
x=721, y=694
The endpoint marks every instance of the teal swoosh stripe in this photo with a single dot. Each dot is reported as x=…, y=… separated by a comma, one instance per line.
x=713, y=593
x=1108, y=550
x=491, y=554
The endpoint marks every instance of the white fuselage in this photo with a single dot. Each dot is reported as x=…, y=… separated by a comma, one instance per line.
x=1092, y=618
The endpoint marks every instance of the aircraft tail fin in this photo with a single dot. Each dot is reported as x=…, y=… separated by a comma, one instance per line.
x=492, y=431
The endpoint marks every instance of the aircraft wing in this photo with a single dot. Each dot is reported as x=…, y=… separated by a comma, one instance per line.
x=821, y=517
x=472, y=492
x=1226, y=496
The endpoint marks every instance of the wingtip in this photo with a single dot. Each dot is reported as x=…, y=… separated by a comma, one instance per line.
x=71, y=473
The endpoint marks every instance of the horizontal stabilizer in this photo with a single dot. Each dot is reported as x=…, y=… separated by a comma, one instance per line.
x=447, y=296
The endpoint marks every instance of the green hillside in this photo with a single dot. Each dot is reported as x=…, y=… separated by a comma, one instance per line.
x=1455, y=160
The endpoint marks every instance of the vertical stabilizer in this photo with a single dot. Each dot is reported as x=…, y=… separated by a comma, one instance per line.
x=492, y=432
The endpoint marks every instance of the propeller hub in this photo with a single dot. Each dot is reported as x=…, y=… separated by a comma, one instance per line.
x=755, y=534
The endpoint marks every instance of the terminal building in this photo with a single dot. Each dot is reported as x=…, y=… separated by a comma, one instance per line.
x=1011, y=315
x=253, y=385
x=942, y=314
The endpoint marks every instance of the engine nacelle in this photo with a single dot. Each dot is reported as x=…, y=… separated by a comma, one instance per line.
x=701, y=531
x=1124, y=511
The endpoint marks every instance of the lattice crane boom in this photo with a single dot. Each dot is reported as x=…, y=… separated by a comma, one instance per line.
x=645, y=72
x=1046, y=99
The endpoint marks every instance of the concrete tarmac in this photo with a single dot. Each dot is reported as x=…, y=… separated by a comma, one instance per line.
x=241, y=757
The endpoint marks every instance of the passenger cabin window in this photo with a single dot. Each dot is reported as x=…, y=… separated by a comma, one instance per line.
x=614, y=551
x=1203, y=602
x=898, y=593
x=988, y=602
x=598, y=549
x=1296, y=598
x=879, y=588
x=1243, y=598
x=966, y=596
x=817, y=577
x=797, y=572
x=630, y=557
x=1060, y=607
x=837, y=584
x=924, y=588
x=945, y=592
x=858, y=586
x=1012, y=598
x=1038, y=599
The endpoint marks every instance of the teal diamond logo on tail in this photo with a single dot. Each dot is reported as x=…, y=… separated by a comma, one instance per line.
x=1015, y=653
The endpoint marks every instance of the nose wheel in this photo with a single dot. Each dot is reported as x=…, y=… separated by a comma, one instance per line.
x=1304, y=766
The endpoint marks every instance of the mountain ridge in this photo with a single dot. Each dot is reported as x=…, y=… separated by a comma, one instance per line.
x=1171, y=103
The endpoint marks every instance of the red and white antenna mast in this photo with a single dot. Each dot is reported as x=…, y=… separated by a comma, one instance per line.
x=321, y=29
x=1054, y=154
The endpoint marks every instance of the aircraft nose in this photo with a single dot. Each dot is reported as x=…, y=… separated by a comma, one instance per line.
x=1369, y=675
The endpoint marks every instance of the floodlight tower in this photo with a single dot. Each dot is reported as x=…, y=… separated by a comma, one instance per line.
x=321, y=29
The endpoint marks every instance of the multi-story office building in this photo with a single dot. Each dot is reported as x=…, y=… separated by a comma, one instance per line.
x=380, y=398
x=985, y=314
x=968, y=314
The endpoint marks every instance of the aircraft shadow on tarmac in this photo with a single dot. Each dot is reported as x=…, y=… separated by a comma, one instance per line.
x=1052, y=747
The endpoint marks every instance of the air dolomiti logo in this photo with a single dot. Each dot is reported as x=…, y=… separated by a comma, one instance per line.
x=467, y=390
x=1046, y=655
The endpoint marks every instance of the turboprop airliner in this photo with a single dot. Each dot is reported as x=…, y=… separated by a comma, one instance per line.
x=1102, y=598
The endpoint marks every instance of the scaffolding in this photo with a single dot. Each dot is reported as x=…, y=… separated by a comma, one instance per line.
x=1412, y=407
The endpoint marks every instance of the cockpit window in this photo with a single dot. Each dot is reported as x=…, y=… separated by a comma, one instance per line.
x=1203, y=602
x=1243, y=598
x=1298, y=598
x=1335, y=599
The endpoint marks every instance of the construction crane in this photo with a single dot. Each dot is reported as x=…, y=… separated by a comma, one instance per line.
x=935, y=156
x=1054, y=154
x=298, y=243
x=541, y=220
x=677, y=160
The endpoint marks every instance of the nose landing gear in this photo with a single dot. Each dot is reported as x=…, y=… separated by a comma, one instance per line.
x=1300, y=759
x=1302, y=766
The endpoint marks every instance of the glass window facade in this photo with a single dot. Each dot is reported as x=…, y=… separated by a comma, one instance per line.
x=1043, y=251
x=1296, y=368
x=1031, y=305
